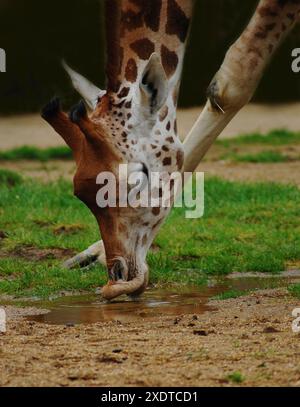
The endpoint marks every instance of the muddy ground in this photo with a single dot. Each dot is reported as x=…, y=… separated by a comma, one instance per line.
x=251, y=335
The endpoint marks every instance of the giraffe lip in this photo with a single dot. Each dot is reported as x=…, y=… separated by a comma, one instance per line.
x=132, y=287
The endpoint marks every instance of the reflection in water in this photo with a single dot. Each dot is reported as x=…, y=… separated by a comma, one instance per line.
x=153, y=303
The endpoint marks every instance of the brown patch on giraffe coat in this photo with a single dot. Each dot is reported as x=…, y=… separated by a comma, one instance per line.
x=167, y=161
x=152, y=17
x=104, y=106
x=177, y=23
x=169, y=60
x=148, y=14
x=124, y=92
x=144, y=48
x=270, y=27
x=156, y=211
x=267, y=11
x=131, y=71
x=261, y=35
x=163, y=114
x=168, y=127
x=131, y=21
x=170, y=139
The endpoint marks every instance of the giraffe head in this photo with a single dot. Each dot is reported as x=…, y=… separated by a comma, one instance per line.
x=135, y=126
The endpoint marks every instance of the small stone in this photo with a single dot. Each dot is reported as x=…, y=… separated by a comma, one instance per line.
x=200, y=332
x=270, y=330
x=245, y=336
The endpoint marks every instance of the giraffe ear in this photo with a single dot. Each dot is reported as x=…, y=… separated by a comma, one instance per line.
x=153, y=85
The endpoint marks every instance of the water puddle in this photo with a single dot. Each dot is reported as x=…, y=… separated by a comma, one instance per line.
x=155, y=302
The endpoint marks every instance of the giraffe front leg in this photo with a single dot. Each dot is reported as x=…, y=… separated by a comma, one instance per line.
x=94, y=254
x=236, y=81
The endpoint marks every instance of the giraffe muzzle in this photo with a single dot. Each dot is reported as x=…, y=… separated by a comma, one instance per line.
x=120, y=284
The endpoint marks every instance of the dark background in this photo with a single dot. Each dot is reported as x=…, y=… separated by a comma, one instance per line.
x=36, y=34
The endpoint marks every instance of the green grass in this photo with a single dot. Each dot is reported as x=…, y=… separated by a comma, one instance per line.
x=236, y=377
x=295, y=290
x=265, y=157
x=36, y=154
x=227, y=295
x=273, y=138
x=9, y=178
x=246, y=227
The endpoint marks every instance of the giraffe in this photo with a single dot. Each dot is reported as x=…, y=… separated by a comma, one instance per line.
x=134, y=123
x=134, y=120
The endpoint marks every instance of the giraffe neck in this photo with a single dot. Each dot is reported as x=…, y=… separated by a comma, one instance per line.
x=138, y=28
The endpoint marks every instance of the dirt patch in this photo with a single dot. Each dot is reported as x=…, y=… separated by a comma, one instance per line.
x=17, y=131
x=49, y=171
x=253, y=118
x=221, y=153
x=32, y=253
x=284, y=173
x=251, y=335
x=67, y=229
x=290, y=274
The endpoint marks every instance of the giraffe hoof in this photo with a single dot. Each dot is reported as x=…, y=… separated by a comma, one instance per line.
x=51, y=109
x=78, y=112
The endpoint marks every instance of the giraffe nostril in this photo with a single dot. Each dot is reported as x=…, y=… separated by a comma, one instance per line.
x=119, y=271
